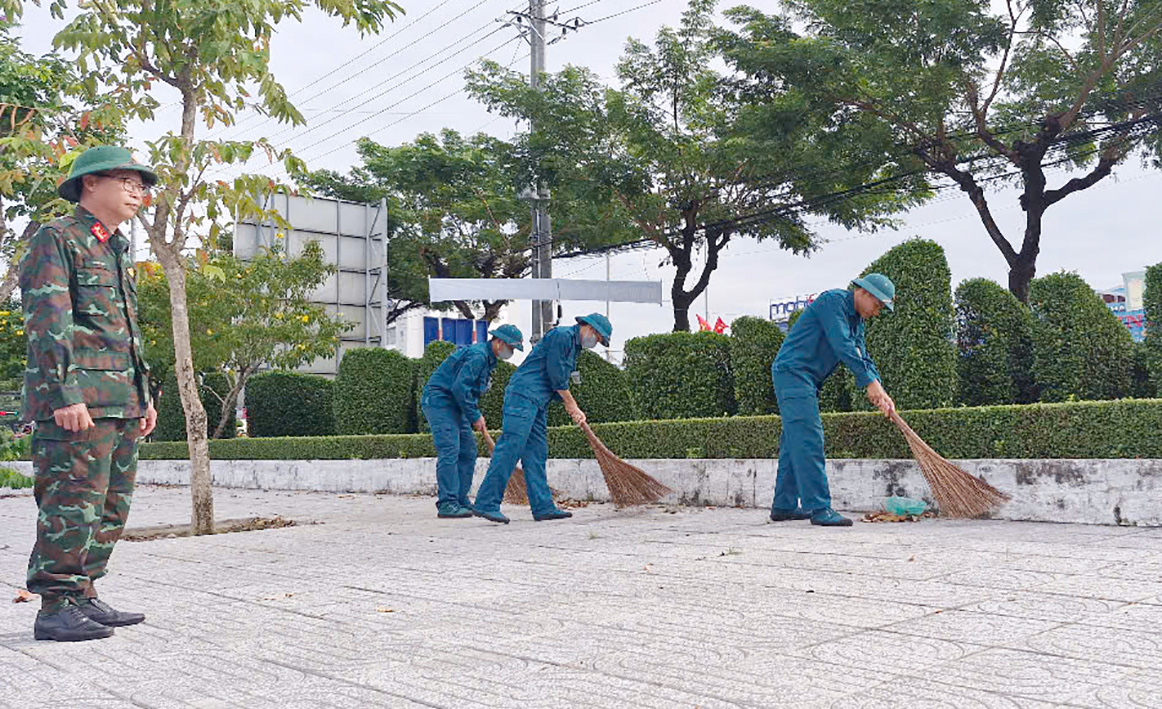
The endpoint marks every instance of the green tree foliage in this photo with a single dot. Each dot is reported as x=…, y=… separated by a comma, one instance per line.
x=754, y=342
x=680, y=375
x=454, y=206
x=913, y=347
x=1080, y=349
x=374, y=392
x=994, y=339
x=672, y=155
x=13, y=346
x=290, y=404
x=1141, y=384
x=244, y=315
x=970, y=91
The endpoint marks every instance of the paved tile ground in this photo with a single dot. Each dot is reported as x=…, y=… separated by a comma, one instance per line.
x=381, y=604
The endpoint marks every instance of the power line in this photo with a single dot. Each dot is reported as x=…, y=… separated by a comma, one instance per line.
x=623, y=12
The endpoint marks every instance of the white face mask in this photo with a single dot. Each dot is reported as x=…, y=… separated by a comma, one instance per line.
x=505, y=351
x=589, y=341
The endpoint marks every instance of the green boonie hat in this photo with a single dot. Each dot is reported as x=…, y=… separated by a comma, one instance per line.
x=102, y=159
x=600, y=323
x=880, y=286
x=510, y=335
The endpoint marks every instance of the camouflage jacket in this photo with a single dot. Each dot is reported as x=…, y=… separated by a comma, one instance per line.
x=80, y=316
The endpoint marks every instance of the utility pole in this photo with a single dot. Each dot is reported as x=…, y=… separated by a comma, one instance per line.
x=532, y=26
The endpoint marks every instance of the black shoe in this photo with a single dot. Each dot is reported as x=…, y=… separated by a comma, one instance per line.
x=103, y=614
x=68, y=625
x=788, y=515
x=555, y=514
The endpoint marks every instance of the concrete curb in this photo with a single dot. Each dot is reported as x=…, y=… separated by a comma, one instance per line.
x=1113, y=491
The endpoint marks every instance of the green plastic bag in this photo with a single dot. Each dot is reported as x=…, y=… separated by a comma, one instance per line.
x=905, y=506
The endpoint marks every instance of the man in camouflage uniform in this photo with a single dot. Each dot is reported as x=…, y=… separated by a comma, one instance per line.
x=87, y=388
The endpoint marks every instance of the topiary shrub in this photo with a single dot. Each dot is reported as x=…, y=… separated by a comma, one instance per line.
x=994, y=342
x=680, y=375
x=284, y=403
x=374, y=392
x=912, y=347
x=434, y=355
x=754, y=342
x=492, y=401
x=1080, y=349
x=171, y=418
x=603, y=393
x=1141, y=384
x=1153, y=305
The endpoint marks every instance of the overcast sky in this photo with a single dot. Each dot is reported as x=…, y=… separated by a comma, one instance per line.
x=407, y=80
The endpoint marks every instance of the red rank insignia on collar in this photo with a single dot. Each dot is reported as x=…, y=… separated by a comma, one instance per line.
x=100, y=232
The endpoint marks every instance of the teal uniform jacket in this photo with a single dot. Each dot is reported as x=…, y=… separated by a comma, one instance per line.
x=829, y=332
x=465, y=376
x=547, y=368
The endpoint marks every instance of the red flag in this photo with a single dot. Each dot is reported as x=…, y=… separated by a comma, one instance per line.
x=703, y=326
x=720, y=327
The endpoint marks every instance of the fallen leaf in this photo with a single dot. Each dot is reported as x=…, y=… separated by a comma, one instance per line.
x=912, y=557
x=385, y=610
x=23, y=596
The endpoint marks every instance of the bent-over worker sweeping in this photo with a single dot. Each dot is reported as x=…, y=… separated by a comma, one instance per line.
x=451, y=403
x=829, y=332
x=541, y=378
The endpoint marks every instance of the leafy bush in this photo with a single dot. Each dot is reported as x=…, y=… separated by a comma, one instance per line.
x=283, y=403
x=1089, y=429
x=14, y=479
x=912, y=347
x=374, y=392
x=1153, y=304
x=602, y=394
x=754, y=342
x=492, y=402
x=1080, y=349
x=680, y=375
x=994, y=339
x=1141, y=384
x=171, y=417
x=434, y=355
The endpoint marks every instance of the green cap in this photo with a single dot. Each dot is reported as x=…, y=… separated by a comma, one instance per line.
x=880, y=286
x=600, y=323
x=510, y=335
x=102, y=158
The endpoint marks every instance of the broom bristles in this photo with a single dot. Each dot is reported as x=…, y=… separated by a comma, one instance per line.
x=628, y=485
x=957, y=493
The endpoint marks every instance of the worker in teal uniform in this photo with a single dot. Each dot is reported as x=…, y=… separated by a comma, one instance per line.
x=451, y=403
x=829, y=332
x=541, y=378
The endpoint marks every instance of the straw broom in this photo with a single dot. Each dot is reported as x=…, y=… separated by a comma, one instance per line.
x=627, y=484
x=957, y=493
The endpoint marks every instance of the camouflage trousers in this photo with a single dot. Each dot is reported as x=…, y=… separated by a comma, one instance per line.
x=84, y=485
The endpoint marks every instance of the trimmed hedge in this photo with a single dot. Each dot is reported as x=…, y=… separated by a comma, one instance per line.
x=754, y=342
x=994, y=340
x=1080, y=349
x=1090, y=429
x=374, y=392
x=290, y=404
x=1141, y=384
x=912, y=347
x=603, y=393
x=680, y=375
x=434, y=355
x=1153, y=305
x=492, y=402
x=171, y=418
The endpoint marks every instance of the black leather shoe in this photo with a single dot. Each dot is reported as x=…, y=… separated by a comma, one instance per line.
x=555, y=514
x=789, y=515
x=99, y=611
x=68, y=625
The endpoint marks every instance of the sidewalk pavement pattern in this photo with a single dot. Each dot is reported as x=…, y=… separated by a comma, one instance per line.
x=381, y=604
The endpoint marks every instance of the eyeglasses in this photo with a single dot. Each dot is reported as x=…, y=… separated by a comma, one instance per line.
x=129, y=184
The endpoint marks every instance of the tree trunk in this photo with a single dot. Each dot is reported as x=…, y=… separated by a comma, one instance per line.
x=202, y=516
x=682, y=301
x=230, y=402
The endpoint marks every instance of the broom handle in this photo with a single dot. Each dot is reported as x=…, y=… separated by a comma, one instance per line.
x=488, y=440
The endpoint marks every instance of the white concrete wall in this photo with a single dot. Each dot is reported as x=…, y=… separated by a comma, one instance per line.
x=1118, y=491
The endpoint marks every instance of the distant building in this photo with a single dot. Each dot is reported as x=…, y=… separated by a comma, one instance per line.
x=1126, y=301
